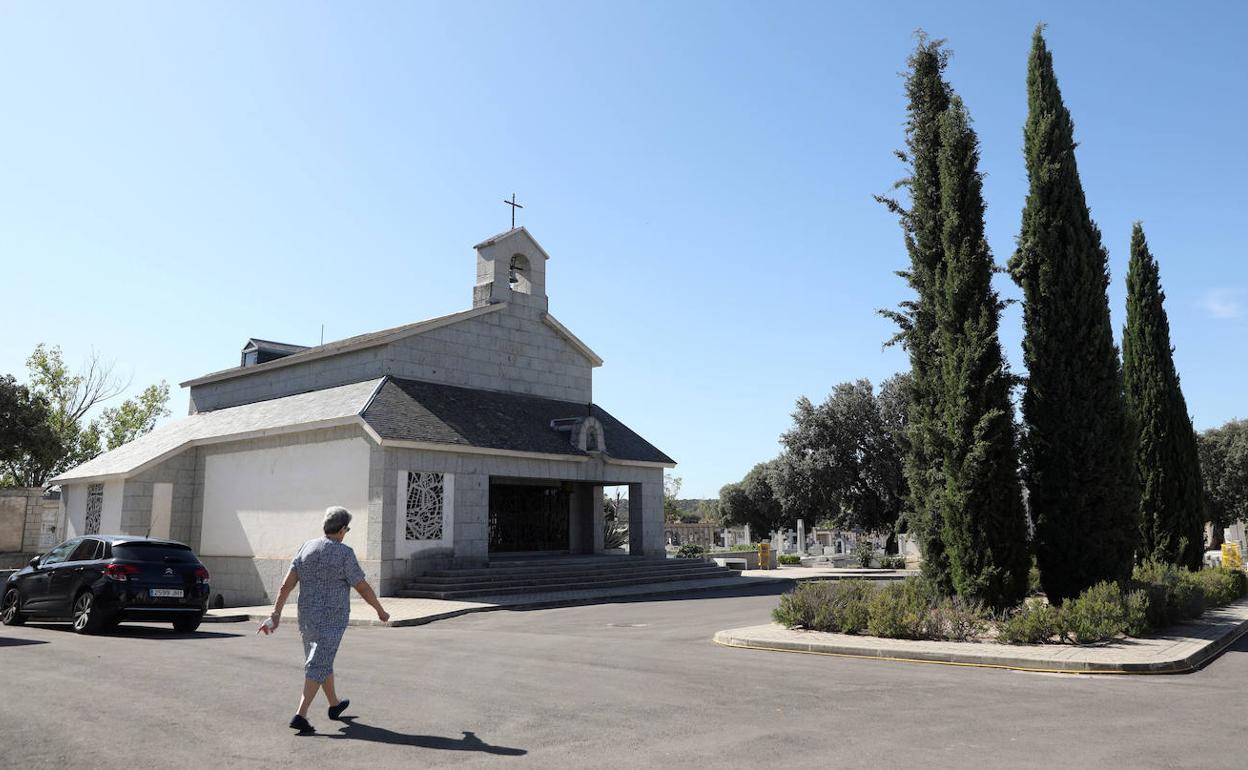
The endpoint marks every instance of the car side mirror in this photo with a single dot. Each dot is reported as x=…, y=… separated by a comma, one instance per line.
x=35, y=561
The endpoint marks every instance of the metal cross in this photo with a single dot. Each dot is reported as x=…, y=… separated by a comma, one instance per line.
x=514, y=206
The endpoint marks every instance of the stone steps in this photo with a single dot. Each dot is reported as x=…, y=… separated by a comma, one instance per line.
x=558, y=566
x=558, y=576
x=495, y=576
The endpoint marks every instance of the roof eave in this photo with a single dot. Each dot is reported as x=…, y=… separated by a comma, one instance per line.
x=594, y=359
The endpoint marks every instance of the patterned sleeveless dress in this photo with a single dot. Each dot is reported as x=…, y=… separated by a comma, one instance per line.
x=327, y=570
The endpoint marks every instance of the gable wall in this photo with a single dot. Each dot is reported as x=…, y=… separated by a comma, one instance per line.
x=512, y=350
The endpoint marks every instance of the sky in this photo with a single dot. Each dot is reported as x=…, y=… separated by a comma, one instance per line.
x=178, y=177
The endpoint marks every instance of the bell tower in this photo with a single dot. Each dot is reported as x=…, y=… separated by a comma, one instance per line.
x=511, y=267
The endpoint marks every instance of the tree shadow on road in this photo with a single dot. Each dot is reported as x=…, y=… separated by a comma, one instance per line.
x=470, y=742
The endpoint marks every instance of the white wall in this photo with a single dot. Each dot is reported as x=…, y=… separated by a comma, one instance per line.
x=267, y=502
x=75, y=496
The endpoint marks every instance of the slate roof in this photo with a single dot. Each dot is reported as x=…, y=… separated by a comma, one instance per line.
x=412, y=410
x=395, y=409
x=301, y=411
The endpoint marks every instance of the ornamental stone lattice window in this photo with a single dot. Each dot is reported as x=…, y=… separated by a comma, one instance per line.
x=95, y=506
x=425, y=506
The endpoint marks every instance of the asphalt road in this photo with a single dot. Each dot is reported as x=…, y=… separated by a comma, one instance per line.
x=619, y=685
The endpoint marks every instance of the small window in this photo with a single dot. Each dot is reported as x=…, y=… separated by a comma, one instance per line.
x=251, y=358
x=59, y=553
x=87, y=550
x=95, y=507
x=143, y=550
x=425, y=512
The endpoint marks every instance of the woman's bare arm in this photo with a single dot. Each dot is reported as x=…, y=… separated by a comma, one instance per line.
x=366, y=593
x=288, y=585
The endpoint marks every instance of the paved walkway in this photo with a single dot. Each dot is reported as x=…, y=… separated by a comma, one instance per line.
x=1180, y=649
x=414, y=612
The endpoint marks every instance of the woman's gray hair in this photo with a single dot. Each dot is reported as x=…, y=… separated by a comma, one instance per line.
x=336, y=517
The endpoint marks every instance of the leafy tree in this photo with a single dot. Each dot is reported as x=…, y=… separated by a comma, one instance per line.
x=840, y=462
x=928, y=96
x=70, y=398
x=671, y=491
x=981, y=505
x=754, y=501
x=1224, y=467
x=1080, y=471
x=24, y=430
x=1171, y=507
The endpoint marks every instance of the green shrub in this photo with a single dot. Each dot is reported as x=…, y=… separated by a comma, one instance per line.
x=893, y=562
x=1135, y=612
x=1174, y=594
x=1221, y=585
x=955, y=619
x=1034, y=587
x=839, y=606
x=789, y=558
x=900, y=609
x=1096, y=615
x=744, y=547
x=690, y=551
x=864, y=552
x=1036, y=622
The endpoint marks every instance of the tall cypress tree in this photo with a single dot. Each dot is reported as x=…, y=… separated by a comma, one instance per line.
x=1080, y=470
x=1171, y=502
x=984, y=522
x=928, y=97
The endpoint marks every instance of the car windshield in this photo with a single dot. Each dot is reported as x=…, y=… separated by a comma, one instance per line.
x=162, y=552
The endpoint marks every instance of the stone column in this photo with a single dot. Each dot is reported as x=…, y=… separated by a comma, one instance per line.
x=585, y=520
x=801, y=536
x=645, y=519
x=472, y=519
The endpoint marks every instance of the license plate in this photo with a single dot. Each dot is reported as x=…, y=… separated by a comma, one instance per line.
x=171, y=593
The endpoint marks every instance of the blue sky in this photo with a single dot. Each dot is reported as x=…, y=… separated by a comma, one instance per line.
x=177, y=177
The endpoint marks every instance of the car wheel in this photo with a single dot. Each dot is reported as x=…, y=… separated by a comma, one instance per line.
x=9, y=614
x=87, y=619
x=187, y=625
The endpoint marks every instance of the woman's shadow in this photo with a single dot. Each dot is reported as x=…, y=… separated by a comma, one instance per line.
x=470, y=742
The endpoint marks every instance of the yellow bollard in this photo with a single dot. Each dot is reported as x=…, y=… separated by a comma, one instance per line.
x=764, y=555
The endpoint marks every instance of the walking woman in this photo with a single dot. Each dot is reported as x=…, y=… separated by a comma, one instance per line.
x=325, y=570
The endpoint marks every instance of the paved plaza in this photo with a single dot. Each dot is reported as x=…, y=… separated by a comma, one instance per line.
x=625, y=685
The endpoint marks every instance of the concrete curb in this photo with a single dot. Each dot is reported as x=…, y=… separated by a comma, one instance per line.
x=974, y=654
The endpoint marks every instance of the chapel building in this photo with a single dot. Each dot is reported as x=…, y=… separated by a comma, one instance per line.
x=452, y=441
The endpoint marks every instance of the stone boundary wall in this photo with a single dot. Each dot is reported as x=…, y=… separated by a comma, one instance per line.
x=29, y=519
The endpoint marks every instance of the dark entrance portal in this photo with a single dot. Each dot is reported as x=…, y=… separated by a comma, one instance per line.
x=528, y=517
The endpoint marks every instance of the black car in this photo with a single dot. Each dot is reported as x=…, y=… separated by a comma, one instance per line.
x=100, y=580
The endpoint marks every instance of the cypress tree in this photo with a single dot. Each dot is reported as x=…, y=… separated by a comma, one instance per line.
x=1080, y=470
x=928, y=96
x=1171, y=503
x=984, y=523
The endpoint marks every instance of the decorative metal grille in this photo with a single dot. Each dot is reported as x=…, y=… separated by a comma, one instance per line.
x=424, y=506
x=95, y=504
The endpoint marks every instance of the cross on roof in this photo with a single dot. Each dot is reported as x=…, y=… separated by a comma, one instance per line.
x=514, y=206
